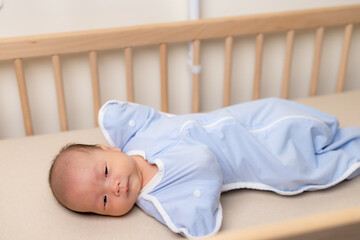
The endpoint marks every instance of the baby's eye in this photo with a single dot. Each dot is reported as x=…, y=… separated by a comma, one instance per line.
x=106, y=171
x=105, y=200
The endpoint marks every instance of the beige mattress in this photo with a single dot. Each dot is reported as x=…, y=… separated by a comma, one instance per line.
x=28, y=210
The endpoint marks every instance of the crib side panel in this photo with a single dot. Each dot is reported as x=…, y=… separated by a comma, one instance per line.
x=132, y=40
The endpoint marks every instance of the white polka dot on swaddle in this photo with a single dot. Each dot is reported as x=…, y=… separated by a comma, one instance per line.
x=132, y=123
x=197, y=193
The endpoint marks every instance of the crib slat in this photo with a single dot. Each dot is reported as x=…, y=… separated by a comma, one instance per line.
x=95, y=83
x=196, y=77
x=23, y=96
x=60, y=92
x=164, y=77
x=344, y=57
x=258, y=64
x=316, y=63
x=287, y=66
x=228, y=64
x=129, y=74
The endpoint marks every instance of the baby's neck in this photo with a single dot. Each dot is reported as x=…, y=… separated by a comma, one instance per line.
x=148, y=170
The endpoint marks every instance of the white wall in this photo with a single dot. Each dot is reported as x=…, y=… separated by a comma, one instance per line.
x=23, y=17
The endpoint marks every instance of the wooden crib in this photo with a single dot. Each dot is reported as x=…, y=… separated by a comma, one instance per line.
x=247, y=214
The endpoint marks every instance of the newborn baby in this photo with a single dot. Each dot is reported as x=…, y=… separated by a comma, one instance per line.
x=176, y=167
x=101, y=180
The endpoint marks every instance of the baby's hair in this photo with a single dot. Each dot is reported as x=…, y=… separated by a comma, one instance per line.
x=72, y=147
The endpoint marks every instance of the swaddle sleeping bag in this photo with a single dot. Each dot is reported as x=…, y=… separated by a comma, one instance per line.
x=270, y=144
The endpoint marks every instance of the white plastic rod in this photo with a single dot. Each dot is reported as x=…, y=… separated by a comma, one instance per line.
x=194, y=9
x=194, y=14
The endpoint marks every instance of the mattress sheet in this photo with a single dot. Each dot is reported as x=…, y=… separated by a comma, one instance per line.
x=29, y=211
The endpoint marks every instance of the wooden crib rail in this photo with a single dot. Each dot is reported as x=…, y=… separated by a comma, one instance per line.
x=55, y=45
x=84, y=41
x=341, y=224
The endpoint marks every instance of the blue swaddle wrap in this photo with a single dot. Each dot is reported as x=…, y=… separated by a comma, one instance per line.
x=269, y=144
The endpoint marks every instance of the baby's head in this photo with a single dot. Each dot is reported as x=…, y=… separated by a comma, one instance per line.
x=95, y=178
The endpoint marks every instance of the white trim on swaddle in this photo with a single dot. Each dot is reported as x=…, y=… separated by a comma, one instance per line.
x=260, y=186
x=183, y=231
x=101, y=124
x=144, y=195
x=131, y=123
x=287, y=118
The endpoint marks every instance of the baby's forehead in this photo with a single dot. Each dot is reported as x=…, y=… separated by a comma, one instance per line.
x=74, y=158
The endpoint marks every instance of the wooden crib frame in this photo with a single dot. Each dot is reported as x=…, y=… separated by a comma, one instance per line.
x=55, y=45
x=343, y=224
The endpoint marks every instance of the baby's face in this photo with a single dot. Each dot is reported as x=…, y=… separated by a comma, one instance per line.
x=104, y=181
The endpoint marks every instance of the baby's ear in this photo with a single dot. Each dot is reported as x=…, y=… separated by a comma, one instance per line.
x=109, y=148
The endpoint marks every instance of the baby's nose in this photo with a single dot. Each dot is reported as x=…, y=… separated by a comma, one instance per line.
x=116, y=187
